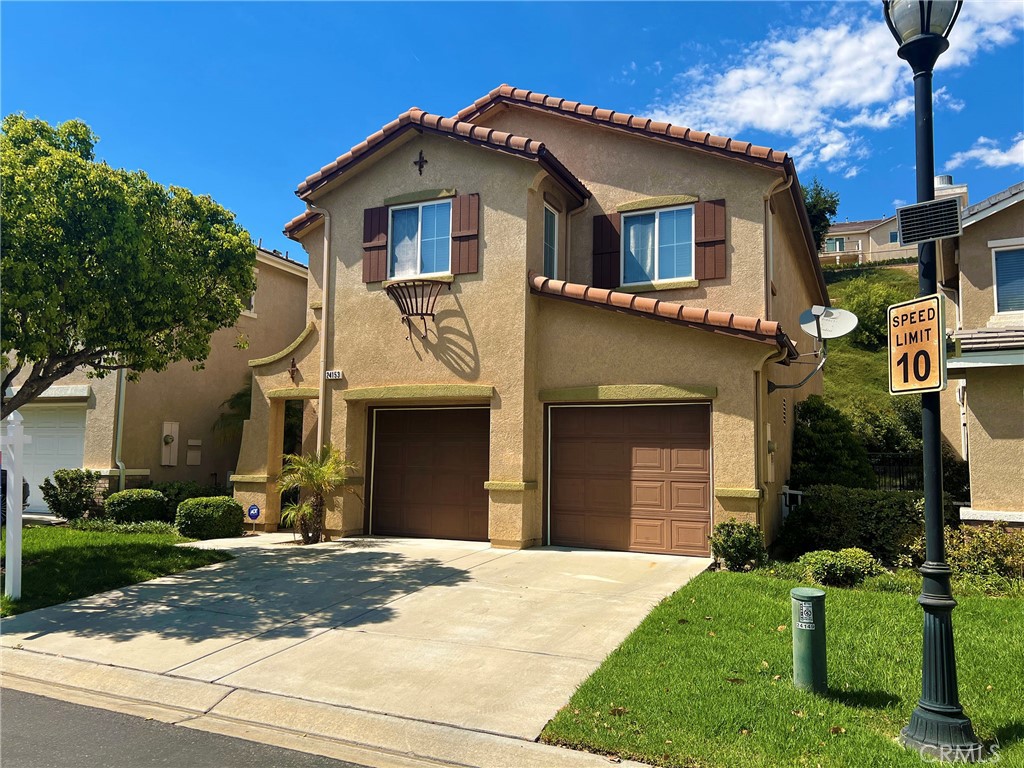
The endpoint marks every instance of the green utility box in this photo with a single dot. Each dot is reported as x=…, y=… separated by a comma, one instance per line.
x=810, y=672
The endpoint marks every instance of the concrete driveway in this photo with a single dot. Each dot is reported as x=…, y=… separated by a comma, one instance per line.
x=444, y=632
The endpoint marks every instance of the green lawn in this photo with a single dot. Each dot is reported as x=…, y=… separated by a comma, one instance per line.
x=60, y=564
x=705, y=680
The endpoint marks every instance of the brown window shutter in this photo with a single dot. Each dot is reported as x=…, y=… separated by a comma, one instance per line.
x=465, y=234
x=375, y=244
x=606, y=251
x=709, y=229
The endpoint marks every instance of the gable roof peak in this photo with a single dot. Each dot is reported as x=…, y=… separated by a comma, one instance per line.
x=507, y=94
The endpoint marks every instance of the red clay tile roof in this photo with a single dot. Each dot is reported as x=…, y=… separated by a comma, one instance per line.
x=417, y=119
x=623, y=121
x=765, y=331
x=990, y=340
x=301, y=222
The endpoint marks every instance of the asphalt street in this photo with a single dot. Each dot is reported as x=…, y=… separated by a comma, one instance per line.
x=38, y=732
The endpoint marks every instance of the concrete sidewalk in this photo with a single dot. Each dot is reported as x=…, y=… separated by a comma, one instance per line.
x=433, y=649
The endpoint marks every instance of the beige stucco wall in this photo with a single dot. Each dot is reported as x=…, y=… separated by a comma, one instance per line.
x=977, y=299
x=995, y=421
x=100, y=407
x=193, y=398
x=619, y=168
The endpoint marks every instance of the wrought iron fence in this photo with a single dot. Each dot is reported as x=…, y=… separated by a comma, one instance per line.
x=898, y=471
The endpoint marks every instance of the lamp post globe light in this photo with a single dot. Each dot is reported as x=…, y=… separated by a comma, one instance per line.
x=938, y=726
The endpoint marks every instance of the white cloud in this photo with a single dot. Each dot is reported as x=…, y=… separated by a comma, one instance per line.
x=899, y=202
x=852, y=171
x=821, y=87
x=986, y=153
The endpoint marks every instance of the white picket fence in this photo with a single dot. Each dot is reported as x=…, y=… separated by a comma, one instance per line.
x=12, y=457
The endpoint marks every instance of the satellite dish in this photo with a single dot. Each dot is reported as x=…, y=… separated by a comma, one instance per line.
x=827, y=322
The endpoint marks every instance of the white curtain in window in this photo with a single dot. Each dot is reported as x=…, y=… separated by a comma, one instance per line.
x=639, y=257
x=404, y=259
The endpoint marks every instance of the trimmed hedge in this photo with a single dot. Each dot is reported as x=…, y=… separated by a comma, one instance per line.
x=176, y=491
x=738, y=545
x=883, y=523
x=845, y=568
x=71, y=494
x=214, y=517
x=150, y=527
x=136, y=505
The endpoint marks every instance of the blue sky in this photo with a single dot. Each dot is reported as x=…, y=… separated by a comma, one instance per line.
x=243, y=100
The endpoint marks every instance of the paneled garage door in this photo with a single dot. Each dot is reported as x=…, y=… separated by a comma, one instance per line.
x=58, y=442
x=634, y=478
x=429, y=468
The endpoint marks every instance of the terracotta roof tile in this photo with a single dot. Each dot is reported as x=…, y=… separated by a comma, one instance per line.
x=767, y=331
x=301, y=222
x=990, y=340
x=418, y=119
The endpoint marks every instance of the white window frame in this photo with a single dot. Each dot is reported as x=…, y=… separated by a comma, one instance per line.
x=250, y=311
x=419, y=231
x=1011, y=244
x=894, y=240
x=657, y=244
x=554, y=213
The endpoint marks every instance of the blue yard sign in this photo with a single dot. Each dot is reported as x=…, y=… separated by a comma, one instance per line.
x=254, y=512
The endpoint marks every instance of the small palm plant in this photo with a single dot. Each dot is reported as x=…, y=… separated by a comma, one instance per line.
x=320, y=474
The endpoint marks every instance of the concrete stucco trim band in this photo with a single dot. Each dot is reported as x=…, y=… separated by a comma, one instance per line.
x=663, y=285
x=287, y=350
x=293, y=393
x=114, y=472
x=619, y=392
x=665, y=201
x=59, y=392
x=256, y=479
x=738, y=493
x=421, y=392
x=418, y=197
x=511, y=485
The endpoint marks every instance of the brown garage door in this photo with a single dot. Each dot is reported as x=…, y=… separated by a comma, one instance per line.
x=632, y=478
x=429, y=469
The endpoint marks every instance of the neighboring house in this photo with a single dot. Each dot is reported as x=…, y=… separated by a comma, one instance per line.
x=985, y=269
x=873, y=240
x=75, y=422
x=612, y=297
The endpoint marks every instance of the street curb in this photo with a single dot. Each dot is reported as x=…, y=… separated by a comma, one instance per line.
x=345, y=733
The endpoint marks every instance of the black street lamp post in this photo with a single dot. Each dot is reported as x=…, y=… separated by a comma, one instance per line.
x=938, y=726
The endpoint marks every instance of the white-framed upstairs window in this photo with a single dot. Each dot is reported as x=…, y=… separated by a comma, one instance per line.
x=894, y=236
x=1008, y=277
x=420, y=239
x=550, y=242
x=657, y=245
x=835, y=244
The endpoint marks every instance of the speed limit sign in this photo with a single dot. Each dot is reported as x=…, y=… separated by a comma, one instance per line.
x=917, y=346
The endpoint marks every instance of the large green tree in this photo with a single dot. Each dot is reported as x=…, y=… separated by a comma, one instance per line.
x=822, y=204
x=103, y=268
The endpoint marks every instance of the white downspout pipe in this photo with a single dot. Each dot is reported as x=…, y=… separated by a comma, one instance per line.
x=325, y=322
x=769, y=240
x=121, y=381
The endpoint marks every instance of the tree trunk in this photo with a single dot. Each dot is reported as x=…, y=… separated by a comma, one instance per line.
x=317, y=523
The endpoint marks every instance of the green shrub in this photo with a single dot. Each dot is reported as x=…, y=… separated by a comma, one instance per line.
x=152, y=527
x=869, y=300
x=215, y=517
x=293, y=514
x=136, y=505
x=826, y=450
x=738, y=545
x=176, y=491
x=987, y=552
x=71, y=494
x=885, y=523
x=845, y=568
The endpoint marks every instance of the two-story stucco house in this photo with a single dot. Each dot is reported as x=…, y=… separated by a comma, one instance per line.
x=539, y=321
x=983, y=413
x=160, y=427
x=874, y=240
